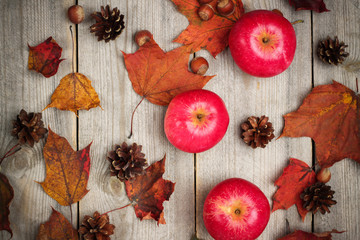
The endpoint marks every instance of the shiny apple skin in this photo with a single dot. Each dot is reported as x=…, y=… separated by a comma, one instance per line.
x=251, y=54
x=221, y=203
x=181, y=127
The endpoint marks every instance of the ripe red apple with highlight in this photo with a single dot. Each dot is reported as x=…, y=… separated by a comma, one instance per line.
x=262, y=43
x=196, y=120
x=236, y=209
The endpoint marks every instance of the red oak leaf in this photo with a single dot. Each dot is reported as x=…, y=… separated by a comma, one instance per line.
x=45, y=57
x=316, y=5
x=301, y=235
x=330, y=115
x=147, y=192
x=67, y=171
x=211, y=35
x=6, y=196
x=57, y=228
x=296, y=177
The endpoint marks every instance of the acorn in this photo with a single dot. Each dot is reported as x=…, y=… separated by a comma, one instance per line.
x=225, y=7
x=206, y=12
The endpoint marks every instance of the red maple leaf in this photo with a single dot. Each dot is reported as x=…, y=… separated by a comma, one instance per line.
x=211, y=35
x=45, y=57
x=330, y=115
x=316, y=5
x=296, y=177
x=147, y=192
x=301, y=235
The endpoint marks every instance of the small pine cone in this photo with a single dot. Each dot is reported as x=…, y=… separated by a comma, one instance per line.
x=332, y=51
x=96, y=227
x=257, y=132
x=318, y=197
x=127, y=161
x=28, y=128
x=109, y=24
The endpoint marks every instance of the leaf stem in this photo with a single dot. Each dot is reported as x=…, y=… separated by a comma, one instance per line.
x=73, y=49
x=297, y=21
x=357, y=85
x=10, y=152
x=132, y=117
x=115, y=209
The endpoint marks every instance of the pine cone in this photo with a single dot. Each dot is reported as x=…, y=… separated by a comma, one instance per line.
x=127, y=161
x=332, y=51
x=109, y=24
x=96, y=227
x=257, y=132
x=318, y=197
x=28, y=128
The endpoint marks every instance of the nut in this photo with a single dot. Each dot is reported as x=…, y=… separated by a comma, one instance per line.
x=142, y=37
x=199, y=65
x=225, y=7
x=76, y=14
x=323, y=175
x=206, y=12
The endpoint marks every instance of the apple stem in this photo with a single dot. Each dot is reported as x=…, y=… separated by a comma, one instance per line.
x=297, y=21
x=132, y=117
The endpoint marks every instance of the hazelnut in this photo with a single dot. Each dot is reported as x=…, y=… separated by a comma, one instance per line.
x=199, y=65
x=206, y=12
x=76, y=14
x=142, y=37
x=225, y=7
x=323, y=175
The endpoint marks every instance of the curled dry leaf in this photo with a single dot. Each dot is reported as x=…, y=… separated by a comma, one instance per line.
x=45, y=57
x=57, y=228
x=211, y=35
x=67, y=171
x=316, y=5
x=301, y=235
x=160, y=76
x=330, y=115
x=147, y=192
x=74, y=93
x=6, y=196
x=296, y=177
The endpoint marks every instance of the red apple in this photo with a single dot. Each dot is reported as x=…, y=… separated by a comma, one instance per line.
x=262, y=43
x=196, y=120
x=236, y=209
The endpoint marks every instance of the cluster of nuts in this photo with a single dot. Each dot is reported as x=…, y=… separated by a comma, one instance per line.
x=224, y=7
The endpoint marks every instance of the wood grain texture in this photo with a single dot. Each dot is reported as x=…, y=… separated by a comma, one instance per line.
x=345, y=215
x=22, y=23
x=246, y=96
x=103, y=63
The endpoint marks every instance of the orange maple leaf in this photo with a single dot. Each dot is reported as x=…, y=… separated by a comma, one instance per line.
x=301, y=235
x=296, y=177
x=160, y=76
x=74, y=93
x=7, y=195
x=330, y=115
x=57, y=228
x=45, y=57
x=147, y=192
x=211, y=35
x=67, y=171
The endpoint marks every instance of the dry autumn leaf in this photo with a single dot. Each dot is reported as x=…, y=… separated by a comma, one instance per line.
x=45, y=57
x=57, y=228
x=6, y=196
x=330, y=115
x=160, y=76
x=211, y=35
x=316, y=5
x=296, y=177
x=74, y=93
x=147, y=192
x=67, y=171
x=301, y=235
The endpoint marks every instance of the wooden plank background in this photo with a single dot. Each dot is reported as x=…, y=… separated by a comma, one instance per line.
x=32, y=22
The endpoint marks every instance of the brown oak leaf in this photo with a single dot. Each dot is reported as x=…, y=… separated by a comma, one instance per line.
x=147, y=192
x=160, y=76
x=6, y=196
x=57, y=228
x=74, y=93
x=67, y=171
x=330, y=115
x=45, y=57
x=211, y=35
x=301, y=235
x=316, y=5
x=296, y=177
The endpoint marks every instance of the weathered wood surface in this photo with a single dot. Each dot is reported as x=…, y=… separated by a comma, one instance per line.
x=25, y=22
